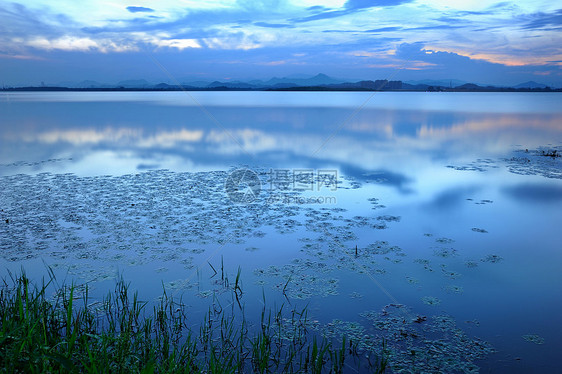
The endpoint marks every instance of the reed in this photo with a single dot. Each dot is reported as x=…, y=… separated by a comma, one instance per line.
x=120, y=335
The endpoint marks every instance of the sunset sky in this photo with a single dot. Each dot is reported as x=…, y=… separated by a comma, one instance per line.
x=487, y=42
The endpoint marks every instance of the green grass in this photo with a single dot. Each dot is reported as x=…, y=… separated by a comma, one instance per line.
x=121, y=335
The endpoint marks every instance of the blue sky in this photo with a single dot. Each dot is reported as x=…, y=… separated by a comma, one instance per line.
x=479, y=41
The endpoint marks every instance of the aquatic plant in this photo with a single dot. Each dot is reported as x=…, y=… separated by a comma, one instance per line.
x=70, y=333
x=533, y=338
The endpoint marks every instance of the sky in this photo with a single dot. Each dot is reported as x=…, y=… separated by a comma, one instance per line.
x=486, y=42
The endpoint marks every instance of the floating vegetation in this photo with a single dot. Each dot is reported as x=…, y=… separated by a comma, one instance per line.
x=482, y=231
x=484, y=202
x=301, y=279
x=453, y=288
x=306, y=286
x=158, y=215
x=478, y=165
x=354, y=331
x=533, y=338
x=418, y=344
x=551, y=153
x=471, y=264
x=430, y=300
x=35, y=163
x=180, y=284
x=356, y=295
x=393, y=260
x=388, y=218
x=444, y=240
x=375, y=203
x=205, y=294
x=492, y=258
x=445, y=252
x=449, y=273
x=424, y=262
x=412, y=280
x=543, y=162
x=187, y=263
x=473, y=322
x=382, y=247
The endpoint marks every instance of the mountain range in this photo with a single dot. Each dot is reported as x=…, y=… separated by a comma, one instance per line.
x=294, y=82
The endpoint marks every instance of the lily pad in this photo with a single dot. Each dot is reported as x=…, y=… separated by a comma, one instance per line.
x=533, y=338
x=430, y=300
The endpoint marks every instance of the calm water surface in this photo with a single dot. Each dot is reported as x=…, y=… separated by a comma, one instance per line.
x=453, y=208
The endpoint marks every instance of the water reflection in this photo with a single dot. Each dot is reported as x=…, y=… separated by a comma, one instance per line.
x=140, y=127
x=452, y=198
x=535, y=193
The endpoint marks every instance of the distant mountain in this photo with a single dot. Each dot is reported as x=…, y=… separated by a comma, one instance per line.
x=469, y=86
x=317, y=80
x=234, y=84
x=437, y=82
x=196, y=83
x=134, y=83
x=299, y=76
x=88, y=84
x=296, y=82
x=530, y=84
x=166, y=86
x=369, y=85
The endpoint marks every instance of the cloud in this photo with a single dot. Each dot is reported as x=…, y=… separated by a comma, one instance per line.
x=323, y=15
x=273, y=25
x=362, y=4
x=350, y=7
x=475, y=68
x=19, y=21
x=416, y=52
x=231, y=41
x=179, y=44
x=139, y=9
x=69, y=43
x=545, y=21
x=434, y=27
x=385, y=29
x=316, y=8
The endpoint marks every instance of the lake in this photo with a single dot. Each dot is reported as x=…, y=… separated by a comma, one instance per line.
x=429, y=219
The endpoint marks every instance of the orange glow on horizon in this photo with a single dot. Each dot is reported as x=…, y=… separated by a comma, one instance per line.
x=502, y=59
